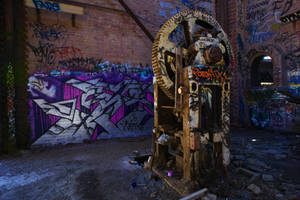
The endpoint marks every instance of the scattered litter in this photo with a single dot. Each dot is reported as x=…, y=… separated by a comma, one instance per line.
x=254, y=188
x=209, y=196
x=163, y=139
x=153, y=194
x=133, y=162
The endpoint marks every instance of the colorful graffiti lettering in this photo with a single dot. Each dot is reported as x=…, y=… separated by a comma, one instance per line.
x=48, y=5
x=294, y=80
x=75, y=106
x=278, y=114
x=210, y=74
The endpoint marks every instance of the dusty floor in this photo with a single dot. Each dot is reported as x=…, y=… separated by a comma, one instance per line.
x=101, y=170
x=270, y=161
x=86, y=171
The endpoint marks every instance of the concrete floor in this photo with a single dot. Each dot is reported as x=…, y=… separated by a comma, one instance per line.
x=84, y=171
x=101, y=170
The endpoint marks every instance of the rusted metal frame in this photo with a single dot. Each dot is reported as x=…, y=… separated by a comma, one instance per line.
x=139, y=23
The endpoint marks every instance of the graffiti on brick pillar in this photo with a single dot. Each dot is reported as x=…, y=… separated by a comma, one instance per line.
x=294, y=82
x=48, y=5
x=82, y=105
x=10, y=78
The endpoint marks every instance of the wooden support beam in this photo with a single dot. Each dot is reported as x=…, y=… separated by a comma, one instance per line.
x=61, y=7
x=186, y=130
x=178, y=79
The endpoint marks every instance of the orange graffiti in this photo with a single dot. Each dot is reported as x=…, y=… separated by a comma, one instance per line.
x=209, y=74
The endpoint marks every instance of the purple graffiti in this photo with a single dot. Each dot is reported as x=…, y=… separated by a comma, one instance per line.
x=89, y=104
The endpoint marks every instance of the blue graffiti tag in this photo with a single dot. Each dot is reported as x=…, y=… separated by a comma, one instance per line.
x=261, y=37
x=51, y=6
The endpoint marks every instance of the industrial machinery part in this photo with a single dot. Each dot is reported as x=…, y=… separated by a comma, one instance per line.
x=192, y=60
x=183, y=29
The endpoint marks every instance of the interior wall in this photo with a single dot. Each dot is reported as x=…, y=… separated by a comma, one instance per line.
x=91, y=77
x=260, y=31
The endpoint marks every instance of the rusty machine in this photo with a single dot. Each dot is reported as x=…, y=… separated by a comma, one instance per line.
x=191, y=59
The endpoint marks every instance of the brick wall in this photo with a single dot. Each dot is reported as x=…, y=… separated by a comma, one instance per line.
x=260, y=32
x=70, y=99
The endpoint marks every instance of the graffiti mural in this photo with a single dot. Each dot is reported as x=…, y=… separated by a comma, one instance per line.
x=275, y=113
x=74, y=106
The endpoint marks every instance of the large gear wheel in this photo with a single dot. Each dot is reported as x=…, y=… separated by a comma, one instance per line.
x=183, y=27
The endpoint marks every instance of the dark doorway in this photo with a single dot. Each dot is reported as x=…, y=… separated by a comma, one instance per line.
x=262, y=71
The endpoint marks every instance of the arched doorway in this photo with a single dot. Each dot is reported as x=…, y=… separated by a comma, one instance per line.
x=262, y=71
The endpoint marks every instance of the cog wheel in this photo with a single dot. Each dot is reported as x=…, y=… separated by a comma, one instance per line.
x=181, y=31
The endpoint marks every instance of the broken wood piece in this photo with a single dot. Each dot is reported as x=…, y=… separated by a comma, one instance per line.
x=182, y=188
x=195, y=195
